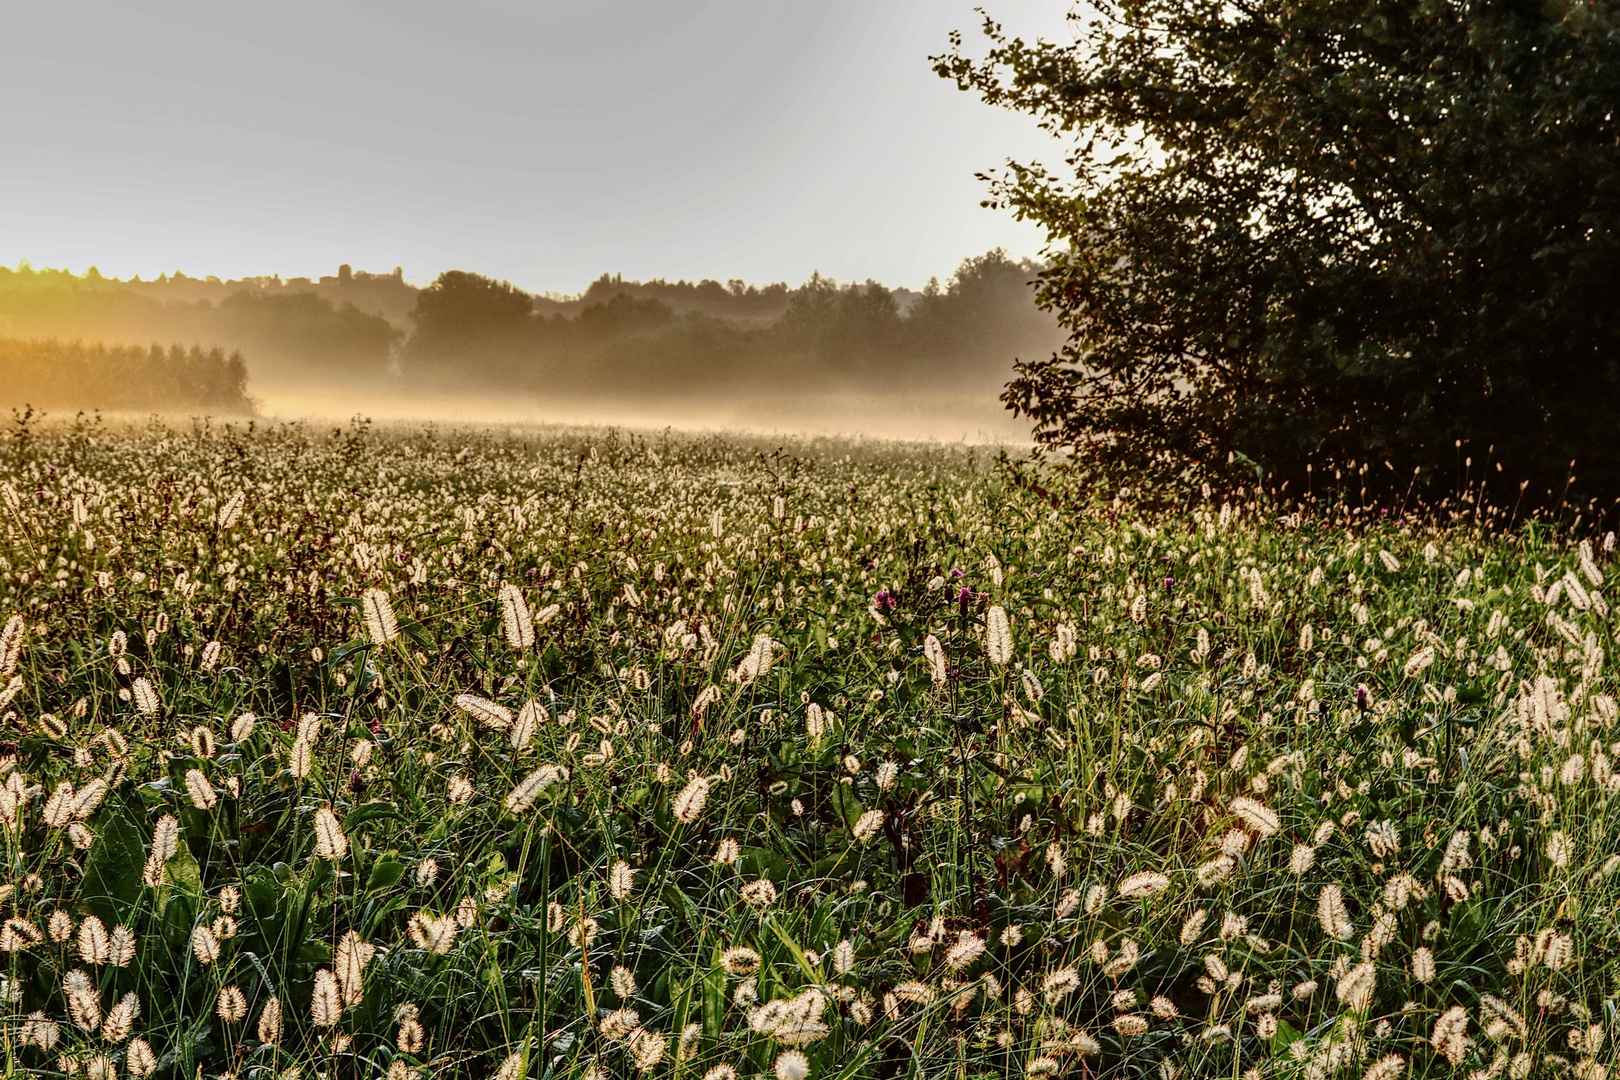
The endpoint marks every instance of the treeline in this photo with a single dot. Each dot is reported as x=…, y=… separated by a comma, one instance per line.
x=734, y=300
x=472, y=332
x=72, y=375
x=288, y=334
x=618, y=339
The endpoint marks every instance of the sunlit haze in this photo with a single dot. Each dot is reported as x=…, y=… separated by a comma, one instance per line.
x=543, y=143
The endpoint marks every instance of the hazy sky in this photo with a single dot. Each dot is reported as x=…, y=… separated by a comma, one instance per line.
x=541, y=141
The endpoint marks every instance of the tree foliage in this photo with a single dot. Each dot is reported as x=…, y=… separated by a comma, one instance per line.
x=474, y=332
x=1330, y=234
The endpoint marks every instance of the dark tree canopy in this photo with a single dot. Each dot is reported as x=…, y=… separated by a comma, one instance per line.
x=1323, y=233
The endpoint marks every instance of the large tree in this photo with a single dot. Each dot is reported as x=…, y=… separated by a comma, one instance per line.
x=1317, y=232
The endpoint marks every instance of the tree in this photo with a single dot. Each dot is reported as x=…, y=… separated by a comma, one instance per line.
x=468, y=325
x=1330, y=233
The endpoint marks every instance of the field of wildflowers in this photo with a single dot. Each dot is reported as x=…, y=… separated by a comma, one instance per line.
x=415, y=752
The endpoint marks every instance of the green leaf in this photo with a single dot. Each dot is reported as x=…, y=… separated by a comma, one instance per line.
x=112, y=875
x=181, y=875
x=794, y=949
x=847, y=805
x=714, y=1002
x=1286, y=1035
x=385, y=874
x=371, y=811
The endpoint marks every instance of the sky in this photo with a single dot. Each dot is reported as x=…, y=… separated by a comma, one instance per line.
x=538, y=141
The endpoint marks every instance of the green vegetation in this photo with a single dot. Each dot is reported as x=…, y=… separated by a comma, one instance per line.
x=1326, y=235
x=404, y=753
x=61, y=375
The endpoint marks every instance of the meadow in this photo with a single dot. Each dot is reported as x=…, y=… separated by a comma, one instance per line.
x=410, y=751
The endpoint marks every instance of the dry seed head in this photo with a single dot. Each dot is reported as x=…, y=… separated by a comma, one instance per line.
x=1143, y=884
x=231, y=1006
x=1331, y=913
x=867, y=825
x=1301, y=859
x=11, y=643
x=59, y=807
x=621, y=880
x=301, y=758
x=95, y=947
x=687, y=1046
x=325, y=1004
x=1559, y=849
x=529, y=720
x=165, y=842
x=146, y=696
x=410, y=1036
x=1058, y=984
x=934, y=653
x=1388, y=1067
x=122, y=946
x=83, y=1004
x=381, y=625
x=511, y=1068
x=201, y=792
x=623, y=981
x=1256, y=815
x=202, y=742
x=270, y=1022
x=38, y=1030
x=204, y=945
x=966, y=949
x=815, y=724
x=139, y=1058
x=350, y=960
x=330, y=843
x=523, y=796
x=90, y=798
x=486, y=712
x=688, y=803
x=516, y=623
x=434, y=933
x=760, y=893
x=1450, y=1035
x=1356, y=986
x=998, y=644
x=120, y=1020
x=792, y=1065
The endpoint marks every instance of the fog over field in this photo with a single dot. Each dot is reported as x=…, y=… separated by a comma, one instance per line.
x=914, y=418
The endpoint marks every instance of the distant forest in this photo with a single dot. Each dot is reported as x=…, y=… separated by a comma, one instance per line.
x=619, y=339
x=68, y=376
